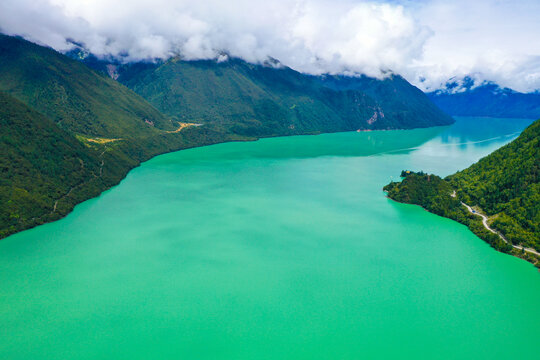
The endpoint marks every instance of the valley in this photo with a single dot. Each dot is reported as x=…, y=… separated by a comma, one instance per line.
x=175, y=105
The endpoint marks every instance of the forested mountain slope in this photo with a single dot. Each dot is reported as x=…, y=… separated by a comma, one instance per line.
x=505, y=186
x=74, y=96
x=270, y=99
x=41, y=164
x=68, y=133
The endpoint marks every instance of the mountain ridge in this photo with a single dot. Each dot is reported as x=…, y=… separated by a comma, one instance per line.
x=463, y=97
x=209, y=90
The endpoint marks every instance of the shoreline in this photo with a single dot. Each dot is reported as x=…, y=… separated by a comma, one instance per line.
x=56, y=214
x=515, y=252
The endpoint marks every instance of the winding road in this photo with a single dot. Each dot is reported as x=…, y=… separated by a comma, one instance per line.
x=485, y=220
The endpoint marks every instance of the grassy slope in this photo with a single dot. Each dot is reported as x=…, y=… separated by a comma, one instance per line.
x=505, y=185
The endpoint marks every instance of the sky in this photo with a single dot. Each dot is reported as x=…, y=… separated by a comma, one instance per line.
x=426, y=41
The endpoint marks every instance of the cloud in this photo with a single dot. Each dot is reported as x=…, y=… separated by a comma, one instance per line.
x=318, y=36
x=490, y=39
x=427, y=41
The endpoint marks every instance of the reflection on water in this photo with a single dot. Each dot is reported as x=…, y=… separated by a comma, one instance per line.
x=337, y=144
x=484, y=128
x=476, y=137
x=485, y=133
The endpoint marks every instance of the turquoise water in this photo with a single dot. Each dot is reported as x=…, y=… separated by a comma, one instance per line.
x=284, y=248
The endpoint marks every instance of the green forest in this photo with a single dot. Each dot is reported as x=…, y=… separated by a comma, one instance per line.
x=262, y=100
x=504, y=186
x=41, y=164
x=69, y=133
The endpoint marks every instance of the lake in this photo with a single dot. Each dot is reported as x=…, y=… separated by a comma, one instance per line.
x=283, y=248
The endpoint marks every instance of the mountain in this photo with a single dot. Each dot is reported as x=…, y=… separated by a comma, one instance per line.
x=271, y=99
x=505, y=186
x=45, y=169
x=399, y=100
x=463, y=98
x=70, y=131
x=74, y=96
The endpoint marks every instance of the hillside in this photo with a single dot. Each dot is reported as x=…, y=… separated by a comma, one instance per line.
x=72, y=95
x=68, y=133
x=270, y=99
x=46, y=170
x=487, y=100
x=403, y=104
x=505, y=186
x=94, y=129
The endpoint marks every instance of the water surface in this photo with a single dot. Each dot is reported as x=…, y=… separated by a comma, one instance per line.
x=284, y=248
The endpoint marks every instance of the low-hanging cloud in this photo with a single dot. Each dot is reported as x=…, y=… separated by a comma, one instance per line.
x=311, y=36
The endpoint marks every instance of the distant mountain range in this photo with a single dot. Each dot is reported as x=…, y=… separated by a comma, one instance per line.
x=464, y=98
x=72, y=126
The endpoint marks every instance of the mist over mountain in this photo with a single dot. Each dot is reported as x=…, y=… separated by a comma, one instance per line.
x=467, y=97
x=426, y=42
x=271, y=98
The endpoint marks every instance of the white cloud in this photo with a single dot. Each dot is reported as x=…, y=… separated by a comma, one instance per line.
x=494, y=40
x=432, y=39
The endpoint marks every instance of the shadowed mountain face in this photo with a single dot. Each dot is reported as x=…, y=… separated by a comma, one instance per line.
x=486, y=100
x=402, y=103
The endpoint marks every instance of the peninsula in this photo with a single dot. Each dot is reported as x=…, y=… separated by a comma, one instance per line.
x=498, y=197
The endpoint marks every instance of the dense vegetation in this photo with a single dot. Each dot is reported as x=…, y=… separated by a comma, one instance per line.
x=487, y=100
x=270, y=99
x=504, y=185
x=41, y=164
x=69, y=132
x=74, y=96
